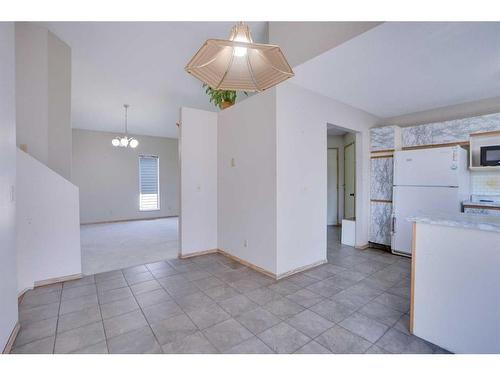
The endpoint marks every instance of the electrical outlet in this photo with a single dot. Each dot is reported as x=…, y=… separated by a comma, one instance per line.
x=233, y=163
x=245, y=243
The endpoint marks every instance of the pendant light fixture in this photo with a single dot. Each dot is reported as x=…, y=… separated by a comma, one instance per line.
x=125, y=140
x=238, y=63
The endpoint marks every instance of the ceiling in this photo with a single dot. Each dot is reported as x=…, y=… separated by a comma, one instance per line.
x=399, y=68
x=141, y=64
x=335, y=130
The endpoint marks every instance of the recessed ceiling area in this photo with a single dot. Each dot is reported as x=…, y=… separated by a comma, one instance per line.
x=406, y=67
x=141, y=64
x=335, y=130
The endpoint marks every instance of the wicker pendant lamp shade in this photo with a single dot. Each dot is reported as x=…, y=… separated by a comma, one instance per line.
x=239, y=64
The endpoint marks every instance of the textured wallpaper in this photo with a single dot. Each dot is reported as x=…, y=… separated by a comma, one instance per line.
x=449, y=131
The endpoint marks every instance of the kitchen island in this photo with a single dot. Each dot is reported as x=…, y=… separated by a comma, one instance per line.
x=455, y=281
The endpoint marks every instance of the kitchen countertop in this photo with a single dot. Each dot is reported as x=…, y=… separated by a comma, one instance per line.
x=460, y=220
x=482, y=204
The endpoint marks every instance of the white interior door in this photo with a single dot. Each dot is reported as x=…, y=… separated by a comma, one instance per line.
x=333, y=187
x=349, y=181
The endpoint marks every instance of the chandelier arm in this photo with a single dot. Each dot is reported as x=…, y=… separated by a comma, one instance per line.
x=227, y=70
x=126, y=127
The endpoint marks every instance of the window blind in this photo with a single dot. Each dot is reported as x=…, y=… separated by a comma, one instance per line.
x=148, y=183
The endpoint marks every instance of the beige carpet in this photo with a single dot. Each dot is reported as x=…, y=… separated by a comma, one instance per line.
x=113, y=246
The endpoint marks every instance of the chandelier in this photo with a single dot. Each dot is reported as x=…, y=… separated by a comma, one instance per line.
x=125, y=140
x=239, y=64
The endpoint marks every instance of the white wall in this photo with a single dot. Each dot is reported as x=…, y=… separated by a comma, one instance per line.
x=454, y=112
x=43, y=96
x=302, y=182
x=310, y=112
x=8, y=277
x=108, y=177
x=48, y=225
x=198, y=160
x=247, y=190
x=32, y=89
x=59, y=106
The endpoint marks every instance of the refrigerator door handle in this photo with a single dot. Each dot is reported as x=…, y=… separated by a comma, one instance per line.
x=393, y=224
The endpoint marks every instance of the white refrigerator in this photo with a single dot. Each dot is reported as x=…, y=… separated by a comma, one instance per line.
x=426, y=180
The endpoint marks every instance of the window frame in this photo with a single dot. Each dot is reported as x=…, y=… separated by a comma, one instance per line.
x=158, y=200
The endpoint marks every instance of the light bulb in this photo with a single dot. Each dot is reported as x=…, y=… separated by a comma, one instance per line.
x=240, y=51
x=115, y=142
x=134, y=143
x=124, y=142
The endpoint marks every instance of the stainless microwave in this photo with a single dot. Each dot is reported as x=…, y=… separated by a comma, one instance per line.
x=490, y=155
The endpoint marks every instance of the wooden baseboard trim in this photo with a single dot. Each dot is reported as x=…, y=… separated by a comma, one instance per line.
x=198, y=253
x=125, y=220
x=247, y=264
x=12, y=339
x=436, y=145
x=384, y=156
x=362, y=247
x=301, y=269
x=20, y=296
x=253, y=266
x=56, y=280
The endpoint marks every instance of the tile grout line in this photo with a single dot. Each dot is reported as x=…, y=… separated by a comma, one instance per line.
x=57, y=321
x=217, y=304
x=185, y=313
x=142, y=312
x=100, y=313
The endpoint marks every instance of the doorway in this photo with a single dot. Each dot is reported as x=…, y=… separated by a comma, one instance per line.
x=333, y=186
x=350, y=180
x=341, y=174
x=341, y=184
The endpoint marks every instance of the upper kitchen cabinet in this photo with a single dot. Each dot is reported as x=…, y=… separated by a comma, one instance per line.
x=385, y=138
x=453, y=131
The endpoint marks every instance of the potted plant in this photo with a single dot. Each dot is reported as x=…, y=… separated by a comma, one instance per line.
x=221, y=98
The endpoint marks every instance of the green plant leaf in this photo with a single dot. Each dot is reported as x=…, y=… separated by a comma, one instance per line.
x=217, y=97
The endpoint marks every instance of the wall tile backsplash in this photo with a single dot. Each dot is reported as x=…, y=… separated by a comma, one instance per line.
x=485, y=183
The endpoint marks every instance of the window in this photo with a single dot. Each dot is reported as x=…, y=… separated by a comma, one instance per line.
x=149, y=184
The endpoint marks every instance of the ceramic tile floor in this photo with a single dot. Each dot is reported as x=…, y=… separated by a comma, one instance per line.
x=357, y=303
